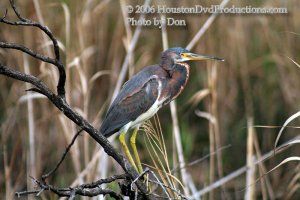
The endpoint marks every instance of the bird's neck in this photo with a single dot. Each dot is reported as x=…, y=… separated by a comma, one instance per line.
x=179, y=77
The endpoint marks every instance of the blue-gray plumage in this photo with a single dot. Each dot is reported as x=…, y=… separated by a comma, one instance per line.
x=146, y=92
x=157, y=83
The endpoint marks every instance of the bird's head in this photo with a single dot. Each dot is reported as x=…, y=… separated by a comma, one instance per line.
x=178, y=55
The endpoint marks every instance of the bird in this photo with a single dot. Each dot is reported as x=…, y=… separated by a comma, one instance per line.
x=145, y=93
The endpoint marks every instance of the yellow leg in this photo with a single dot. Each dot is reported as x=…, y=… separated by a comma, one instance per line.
x=133, y=146
x=126, y=150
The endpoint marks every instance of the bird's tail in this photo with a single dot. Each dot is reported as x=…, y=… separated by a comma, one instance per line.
x=104, y=130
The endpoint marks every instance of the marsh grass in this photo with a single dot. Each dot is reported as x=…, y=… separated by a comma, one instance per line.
x=155, y=144
x=258, y=80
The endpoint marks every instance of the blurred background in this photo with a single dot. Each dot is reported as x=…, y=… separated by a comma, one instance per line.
x=223, y=102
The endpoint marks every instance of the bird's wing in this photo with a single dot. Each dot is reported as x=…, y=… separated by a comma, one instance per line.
x=132, y=104
x=136, y=82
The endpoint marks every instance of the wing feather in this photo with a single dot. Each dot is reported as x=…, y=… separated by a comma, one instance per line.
x=130, y=106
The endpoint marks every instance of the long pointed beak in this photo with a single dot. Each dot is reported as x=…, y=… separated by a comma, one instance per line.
x=192, y=56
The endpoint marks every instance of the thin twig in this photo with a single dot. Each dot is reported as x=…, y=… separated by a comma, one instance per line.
x=160, y=184
x=27, y=22
x=28, y=51
x=60, y=102
x=83, y=190
x=45, y=176
x=57, y=62
x=140, y=176
x=166, y=186
x=24, y=193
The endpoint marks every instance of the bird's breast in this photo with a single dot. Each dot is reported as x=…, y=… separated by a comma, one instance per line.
x=172, y=86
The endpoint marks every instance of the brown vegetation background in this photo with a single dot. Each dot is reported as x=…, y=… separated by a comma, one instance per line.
x=257, y=81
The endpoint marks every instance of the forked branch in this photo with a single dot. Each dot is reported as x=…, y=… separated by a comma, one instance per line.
x=60, y=102
x=92, y=189
x=57, y=62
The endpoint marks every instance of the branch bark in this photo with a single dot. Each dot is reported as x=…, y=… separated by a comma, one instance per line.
x=57, y=62
x=63, y=106
x=89, y=190
x=60, y=102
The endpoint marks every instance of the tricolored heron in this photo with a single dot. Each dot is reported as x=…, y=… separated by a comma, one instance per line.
x=145, y=93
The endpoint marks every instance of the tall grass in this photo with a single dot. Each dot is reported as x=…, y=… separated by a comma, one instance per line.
x=100, y=51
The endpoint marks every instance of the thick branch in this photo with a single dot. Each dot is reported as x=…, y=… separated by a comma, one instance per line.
x=62, y=105
x=60, y=102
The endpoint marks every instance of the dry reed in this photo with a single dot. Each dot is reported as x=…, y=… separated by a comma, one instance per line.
x=259, y=80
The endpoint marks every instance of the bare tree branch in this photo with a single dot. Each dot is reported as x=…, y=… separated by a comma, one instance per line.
x=60, y=102
x=57, y=62
x=45, y=176
x=63, y=106
x=90, y=190
x=30, y=52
